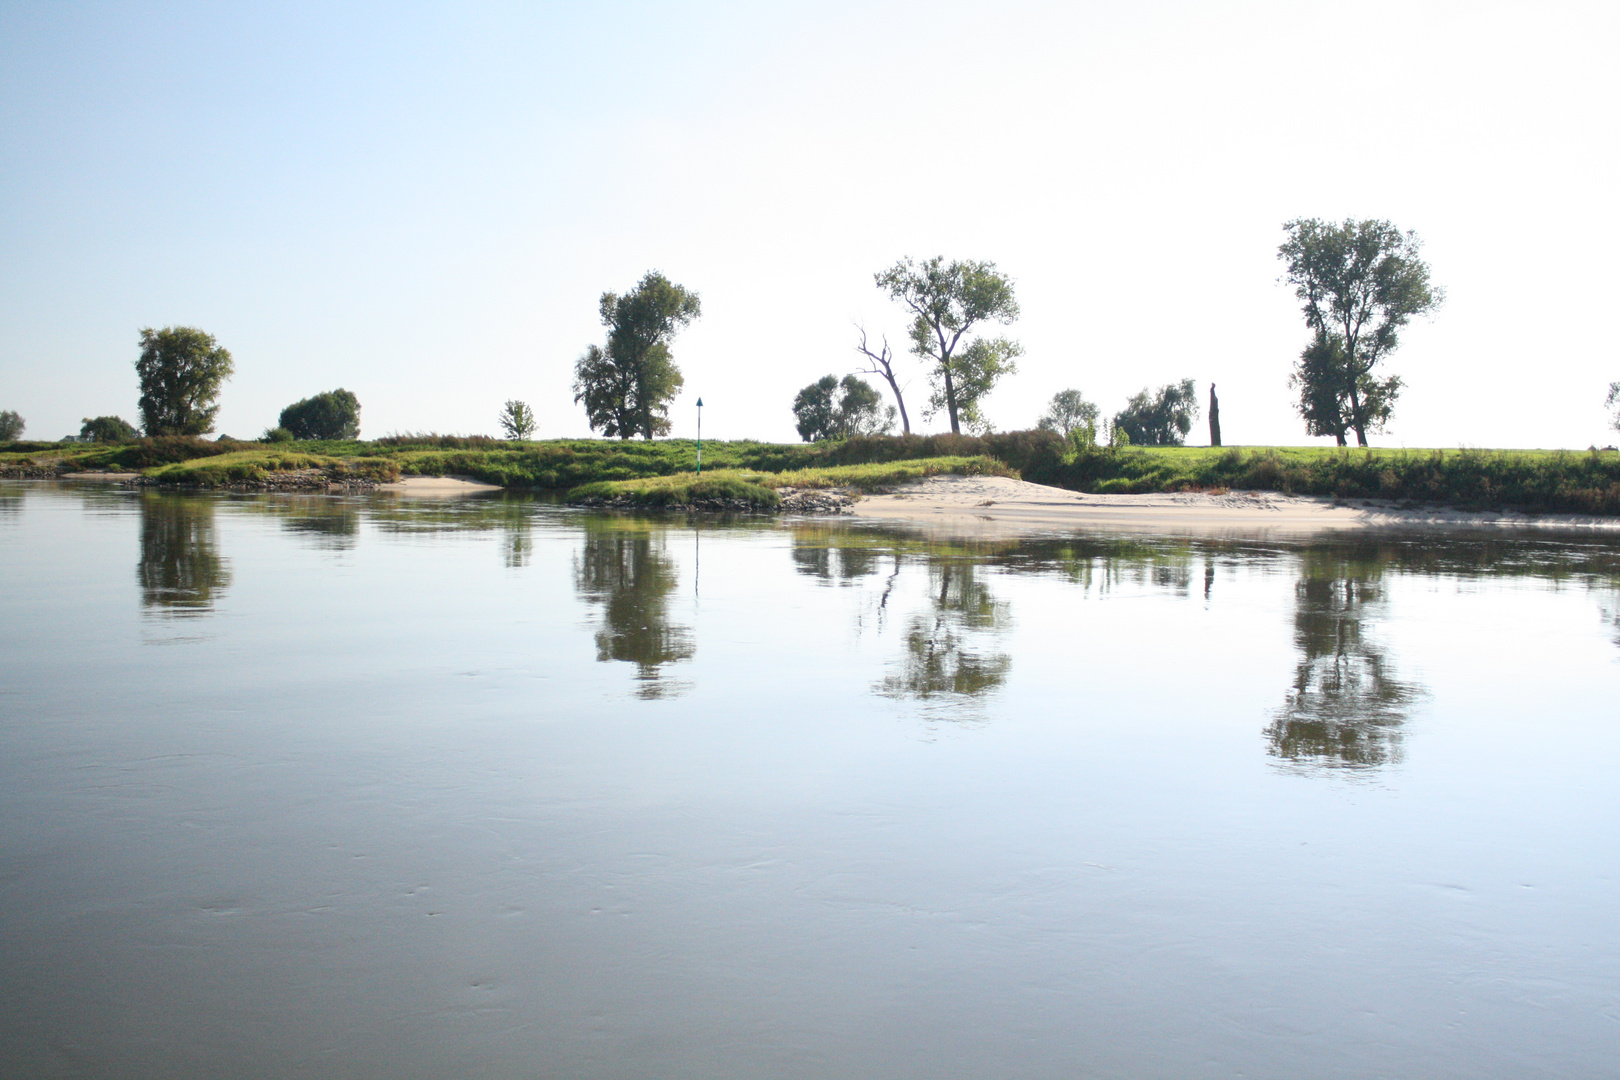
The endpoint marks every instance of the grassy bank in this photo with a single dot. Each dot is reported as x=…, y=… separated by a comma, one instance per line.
x=1543, y=481
x=1532, y=480
x=757, y=490
x=552, y=465
x=250, y=467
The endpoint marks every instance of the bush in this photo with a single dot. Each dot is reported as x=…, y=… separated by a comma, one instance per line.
x=108, y=429
x=163, y=450
x=277, y=435
x=332, y=415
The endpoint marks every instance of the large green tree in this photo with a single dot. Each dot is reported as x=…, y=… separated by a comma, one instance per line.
x=181, y=370
x=1359, y=283
x=947, y=301
x=627, y=384
x=12, y=426
x=332, y=415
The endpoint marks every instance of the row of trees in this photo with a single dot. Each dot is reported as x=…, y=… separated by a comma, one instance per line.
x=1161, y=417
x=1360, y=283
x=182, y=370
x=627, y=384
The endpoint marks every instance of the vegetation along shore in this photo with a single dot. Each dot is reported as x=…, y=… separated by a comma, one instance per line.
x=746, y=474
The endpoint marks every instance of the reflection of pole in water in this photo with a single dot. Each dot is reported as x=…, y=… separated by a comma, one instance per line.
x=697, y=555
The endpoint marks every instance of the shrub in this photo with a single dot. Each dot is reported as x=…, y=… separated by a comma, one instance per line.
x=163, y=450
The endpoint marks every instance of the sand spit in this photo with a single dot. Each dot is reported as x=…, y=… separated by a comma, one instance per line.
x=998, y=505
x=437, y=486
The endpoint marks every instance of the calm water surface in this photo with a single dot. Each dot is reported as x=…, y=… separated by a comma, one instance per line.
x=319, y=787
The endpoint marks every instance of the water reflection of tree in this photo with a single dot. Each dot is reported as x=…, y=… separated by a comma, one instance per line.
x=181, y=571
x=832, y=557
x=624, y=567
x=1346, y=707
x=947, y=650
x=330, y=523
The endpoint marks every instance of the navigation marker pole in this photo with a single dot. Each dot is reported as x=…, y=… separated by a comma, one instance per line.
x=700, y=435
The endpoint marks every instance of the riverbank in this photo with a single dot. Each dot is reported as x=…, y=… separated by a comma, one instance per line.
x=662, y=472
x=986, y=506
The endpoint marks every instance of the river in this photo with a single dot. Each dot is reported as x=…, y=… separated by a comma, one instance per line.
x=380, y=787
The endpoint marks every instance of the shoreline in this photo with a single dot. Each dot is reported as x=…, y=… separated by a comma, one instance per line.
x=998, y=506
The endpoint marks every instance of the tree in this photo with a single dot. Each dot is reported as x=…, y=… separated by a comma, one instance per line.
x=332, y=415
x=181, y=370
x=12, y=426
x=882, y=363
x=108, y=429
x=1068, y=410
x=1160, y=418
x=517, y=419
x=1322, y=377
x=822, y=413
x=1359, y=283
x=1612, y=401
x=947, y=300
x=627, y=384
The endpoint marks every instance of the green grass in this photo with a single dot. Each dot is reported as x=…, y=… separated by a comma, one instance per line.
x=1586, y=482
x=252, y=466
x=1531, y=480
x=758, y=488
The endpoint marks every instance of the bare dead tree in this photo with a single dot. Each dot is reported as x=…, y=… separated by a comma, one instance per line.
x=882, y=363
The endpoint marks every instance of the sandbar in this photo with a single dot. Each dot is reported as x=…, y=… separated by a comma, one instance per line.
x=986, y=506
x=438, y=486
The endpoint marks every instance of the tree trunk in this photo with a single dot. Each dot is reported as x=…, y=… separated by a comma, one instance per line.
x=905, y=421
x=1214, y=417
x=950, y=399
x=1358, y=422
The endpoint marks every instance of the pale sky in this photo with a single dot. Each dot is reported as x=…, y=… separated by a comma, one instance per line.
x=422, y=203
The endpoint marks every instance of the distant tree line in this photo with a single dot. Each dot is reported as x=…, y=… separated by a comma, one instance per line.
x=1360, y=283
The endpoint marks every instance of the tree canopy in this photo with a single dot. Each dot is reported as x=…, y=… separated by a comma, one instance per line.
x=332, y=415
x=1359, y=283
x=822, y=412
x=517, y=420
x=627, y=384
x=946, y=301
x=107, y=429
x=181, y=370
x=1159, y=418
x=1068, y=410
x=1612, y=401
x=12, y=426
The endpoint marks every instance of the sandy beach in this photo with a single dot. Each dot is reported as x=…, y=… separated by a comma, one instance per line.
x=437, y=486
x=998, y=506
